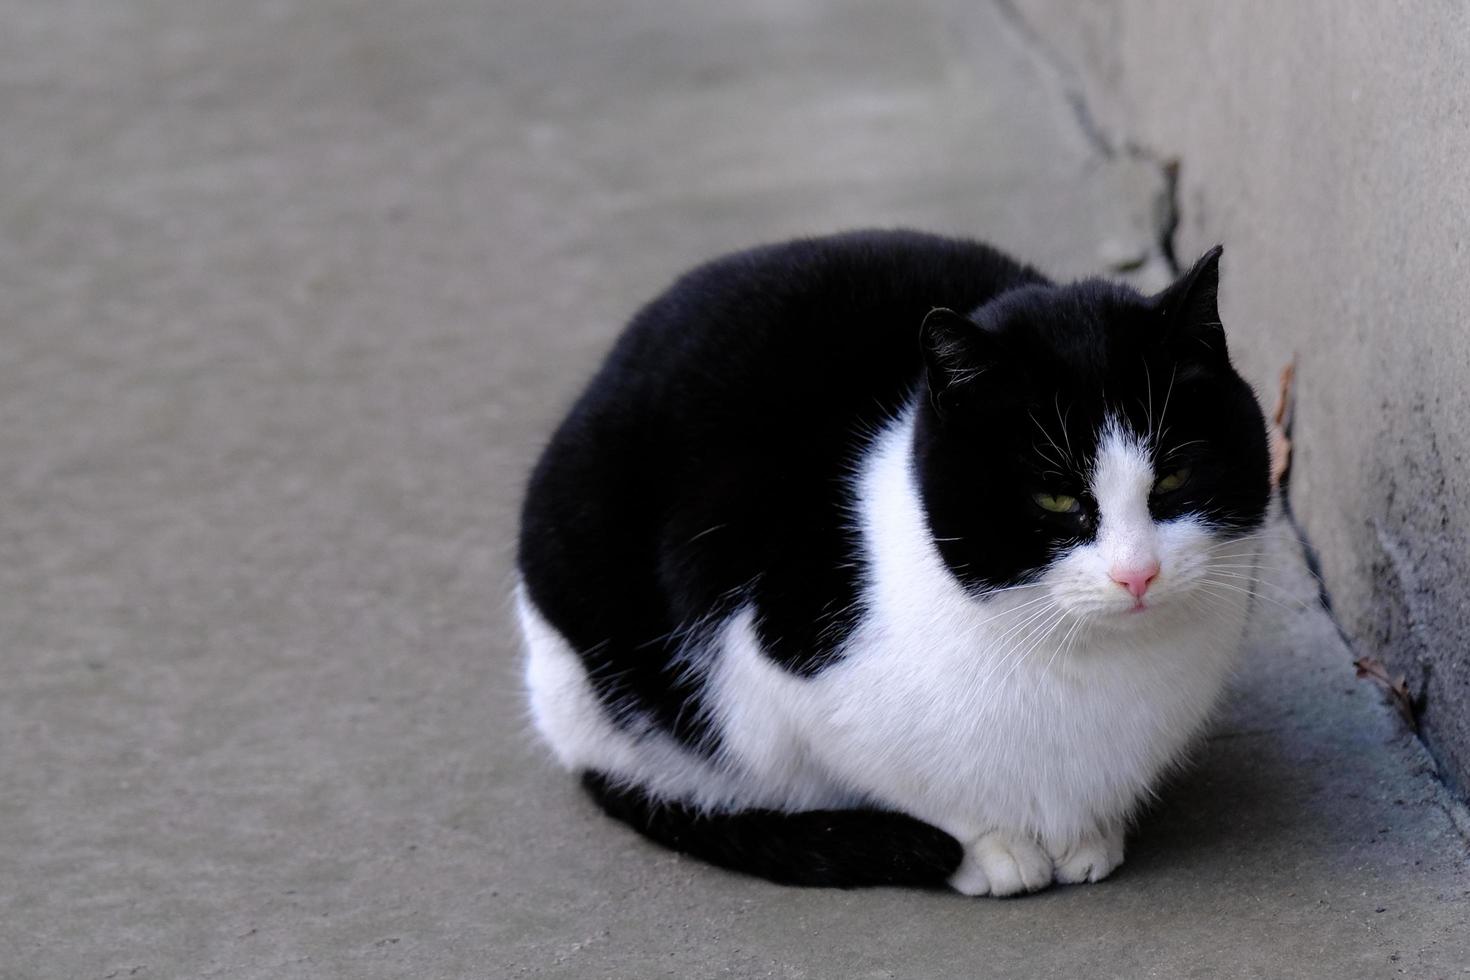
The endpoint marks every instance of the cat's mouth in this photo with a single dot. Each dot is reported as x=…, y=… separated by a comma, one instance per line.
x=1130, y=610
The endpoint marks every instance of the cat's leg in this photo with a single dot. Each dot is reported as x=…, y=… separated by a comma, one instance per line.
x=1091, y=858
x=1002, y=862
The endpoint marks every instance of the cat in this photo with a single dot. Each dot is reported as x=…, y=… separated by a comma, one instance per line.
x=881, y=559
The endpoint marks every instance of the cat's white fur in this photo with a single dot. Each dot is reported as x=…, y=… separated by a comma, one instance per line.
x=1027, y=723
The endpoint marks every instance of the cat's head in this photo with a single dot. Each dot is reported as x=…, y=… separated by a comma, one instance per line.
x=1092, y=440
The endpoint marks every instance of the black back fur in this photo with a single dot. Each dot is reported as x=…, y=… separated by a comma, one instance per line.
x=707, y=460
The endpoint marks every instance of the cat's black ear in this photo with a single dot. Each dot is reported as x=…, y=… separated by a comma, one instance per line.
x=1191, y=312
x=957, y=351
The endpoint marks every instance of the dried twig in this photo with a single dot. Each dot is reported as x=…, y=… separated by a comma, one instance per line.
x=1396, y=688
x=1280, y=428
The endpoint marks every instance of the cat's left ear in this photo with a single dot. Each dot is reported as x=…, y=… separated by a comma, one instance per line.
x=1191, y=311
x=957, y=350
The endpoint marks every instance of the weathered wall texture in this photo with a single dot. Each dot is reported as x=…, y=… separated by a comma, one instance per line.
x=1328, y=146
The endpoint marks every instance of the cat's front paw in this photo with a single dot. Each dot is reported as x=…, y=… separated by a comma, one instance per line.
x=1002, y=863
x=1092, y=858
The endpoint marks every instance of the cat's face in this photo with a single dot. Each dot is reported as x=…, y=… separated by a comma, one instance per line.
x=1094, y=442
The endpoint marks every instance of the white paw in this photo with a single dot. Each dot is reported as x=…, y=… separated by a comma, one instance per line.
x=1092, y=858
x=1002, y=863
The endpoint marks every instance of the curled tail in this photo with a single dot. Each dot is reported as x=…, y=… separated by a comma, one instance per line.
x=834, y=848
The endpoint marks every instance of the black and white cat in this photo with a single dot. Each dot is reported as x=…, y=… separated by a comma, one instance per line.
x=826, y=582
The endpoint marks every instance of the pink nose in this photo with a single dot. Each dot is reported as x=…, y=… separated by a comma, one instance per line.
x=1135, y=578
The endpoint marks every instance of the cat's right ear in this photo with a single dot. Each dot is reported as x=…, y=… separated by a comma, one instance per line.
x=957, y=351
x=1191, y=310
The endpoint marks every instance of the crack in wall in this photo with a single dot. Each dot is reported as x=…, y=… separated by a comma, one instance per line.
x=1072, y=88
x=1165, y=213
x=1167, y=216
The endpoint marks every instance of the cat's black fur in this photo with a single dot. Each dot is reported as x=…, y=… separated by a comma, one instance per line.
x=709, y=463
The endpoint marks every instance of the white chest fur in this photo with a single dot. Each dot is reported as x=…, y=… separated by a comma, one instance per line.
x=975, y=714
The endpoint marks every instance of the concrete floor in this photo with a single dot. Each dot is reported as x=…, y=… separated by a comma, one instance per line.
x=291, y=292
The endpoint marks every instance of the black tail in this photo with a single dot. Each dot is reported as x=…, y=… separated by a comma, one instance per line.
x=835, y=848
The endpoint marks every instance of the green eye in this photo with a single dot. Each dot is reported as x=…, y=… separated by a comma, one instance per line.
x=1173, y=481
x=1057, y=503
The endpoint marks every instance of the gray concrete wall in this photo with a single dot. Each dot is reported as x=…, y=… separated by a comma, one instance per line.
x=1326, y=144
